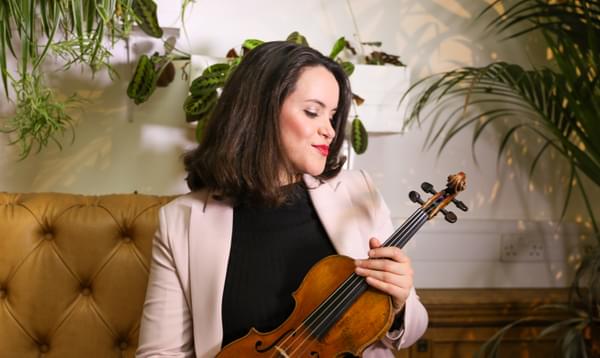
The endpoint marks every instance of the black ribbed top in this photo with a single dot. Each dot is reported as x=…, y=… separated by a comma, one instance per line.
x=272, y=250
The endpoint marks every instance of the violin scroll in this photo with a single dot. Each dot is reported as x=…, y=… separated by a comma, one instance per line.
x=456, y=183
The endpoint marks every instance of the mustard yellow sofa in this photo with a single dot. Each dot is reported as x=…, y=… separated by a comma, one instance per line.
x=73, y=273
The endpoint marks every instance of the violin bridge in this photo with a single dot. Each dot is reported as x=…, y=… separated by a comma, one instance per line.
x=282, y=352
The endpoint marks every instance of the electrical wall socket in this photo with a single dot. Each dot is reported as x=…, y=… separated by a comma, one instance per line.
x=522, y=247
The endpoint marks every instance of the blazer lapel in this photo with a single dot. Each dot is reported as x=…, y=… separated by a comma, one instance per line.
x=334, y=208
x=210, y=242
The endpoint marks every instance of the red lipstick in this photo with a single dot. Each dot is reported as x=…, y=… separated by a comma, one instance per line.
x=323, y=149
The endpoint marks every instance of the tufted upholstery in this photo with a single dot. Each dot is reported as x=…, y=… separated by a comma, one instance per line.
x=73, y=273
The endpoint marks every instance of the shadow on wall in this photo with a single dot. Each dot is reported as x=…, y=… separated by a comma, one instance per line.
x=117, y=147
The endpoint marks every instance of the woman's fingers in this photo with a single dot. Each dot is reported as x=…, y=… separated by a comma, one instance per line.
x=387, y=269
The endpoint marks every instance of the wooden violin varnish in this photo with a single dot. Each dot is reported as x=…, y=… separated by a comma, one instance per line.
x=337, y=313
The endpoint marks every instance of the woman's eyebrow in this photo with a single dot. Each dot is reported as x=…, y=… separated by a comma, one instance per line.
x=321, y=104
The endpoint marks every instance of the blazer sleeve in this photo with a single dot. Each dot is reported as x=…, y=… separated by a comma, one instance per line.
x=415, y=314
x=166, y=325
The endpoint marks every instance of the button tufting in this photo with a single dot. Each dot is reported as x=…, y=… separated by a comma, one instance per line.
x=123, y=345
x=48, y=236
x=86, y=291
x=44, y=348
x=127, y=239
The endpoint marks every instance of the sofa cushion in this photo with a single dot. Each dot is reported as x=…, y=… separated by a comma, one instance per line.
x=73, y=272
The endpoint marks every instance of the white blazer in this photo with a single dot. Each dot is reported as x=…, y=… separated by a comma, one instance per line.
x=182, y=310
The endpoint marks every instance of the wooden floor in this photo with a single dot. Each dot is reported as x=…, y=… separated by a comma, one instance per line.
x=461, y=320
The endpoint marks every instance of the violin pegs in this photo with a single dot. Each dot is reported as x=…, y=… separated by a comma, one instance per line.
x=415, y=197
x=459, y=204
x=428, y=188
x=449, y=216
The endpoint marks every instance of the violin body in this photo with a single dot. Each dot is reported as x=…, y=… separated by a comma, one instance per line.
x=363, y=323
x=336, y=312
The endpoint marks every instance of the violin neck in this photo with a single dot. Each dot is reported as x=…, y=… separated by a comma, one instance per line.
x=406, y=231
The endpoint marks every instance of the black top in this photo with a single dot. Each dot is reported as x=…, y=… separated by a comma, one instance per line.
x=272, y=250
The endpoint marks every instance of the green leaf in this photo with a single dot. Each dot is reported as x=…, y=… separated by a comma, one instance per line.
x=359, y=136
x=297, y=38
x=197, y=106
x=250, y=44
x=348, y=67
x=147, y=19
x=339, y=45
x=4, y=38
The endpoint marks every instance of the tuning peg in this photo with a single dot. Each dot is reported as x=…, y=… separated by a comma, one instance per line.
x=428, y=188
x=415, y=197
x=459, y=204
x=449, y=216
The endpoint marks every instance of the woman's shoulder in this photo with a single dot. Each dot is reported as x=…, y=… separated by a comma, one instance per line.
x=353, y=179
x=186, y=201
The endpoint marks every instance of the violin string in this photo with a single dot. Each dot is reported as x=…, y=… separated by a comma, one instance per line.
x=399, y=238
x=333, y=296
x=354, y=283
x=357, y=284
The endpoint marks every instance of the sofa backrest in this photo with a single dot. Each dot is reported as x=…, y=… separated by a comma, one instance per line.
x=73, y=273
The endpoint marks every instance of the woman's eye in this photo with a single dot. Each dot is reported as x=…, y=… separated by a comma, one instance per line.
x=311, y=114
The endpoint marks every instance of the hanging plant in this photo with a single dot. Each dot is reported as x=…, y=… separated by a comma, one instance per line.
x=74, y=31
x=40, y=117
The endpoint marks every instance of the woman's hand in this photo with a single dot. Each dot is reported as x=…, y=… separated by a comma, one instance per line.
x=388, y=269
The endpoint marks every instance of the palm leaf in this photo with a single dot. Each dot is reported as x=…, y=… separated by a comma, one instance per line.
x=560, y=105
x=526, y=91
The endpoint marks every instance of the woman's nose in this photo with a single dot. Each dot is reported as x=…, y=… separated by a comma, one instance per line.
x=327, y=130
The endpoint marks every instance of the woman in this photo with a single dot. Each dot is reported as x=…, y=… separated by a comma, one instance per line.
x=268, y=201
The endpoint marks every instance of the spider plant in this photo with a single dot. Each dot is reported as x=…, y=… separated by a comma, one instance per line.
x=560, y=104
x=40, y=117
x=74, y=30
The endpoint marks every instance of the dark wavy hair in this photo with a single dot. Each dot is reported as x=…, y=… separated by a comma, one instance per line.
x=241, y=156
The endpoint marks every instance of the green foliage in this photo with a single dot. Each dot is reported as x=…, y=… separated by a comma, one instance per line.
x=358, y=136
x=297, y=38
x=571, y=343
x=250, y=44
x=145, y=10
x=561, y=105
x=143, y=82
x=73, y=30
x=338, y=46
x=39, y=116
x=348, y=67
x=71, y=52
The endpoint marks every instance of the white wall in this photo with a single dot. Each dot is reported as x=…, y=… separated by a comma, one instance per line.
x=120, y=147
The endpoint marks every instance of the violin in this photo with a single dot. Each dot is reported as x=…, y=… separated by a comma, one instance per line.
x=337, y=313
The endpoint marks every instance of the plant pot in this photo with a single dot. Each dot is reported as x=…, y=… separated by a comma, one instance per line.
x=381, y=87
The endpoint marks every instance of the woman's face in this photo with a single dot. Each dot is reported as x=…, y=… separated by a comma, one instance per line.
x=306, y=120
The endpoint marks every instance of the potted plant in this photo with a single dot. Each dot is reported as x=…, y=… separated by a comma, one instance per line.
x=209, y=77
x=559, y=105
x=75, y=32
